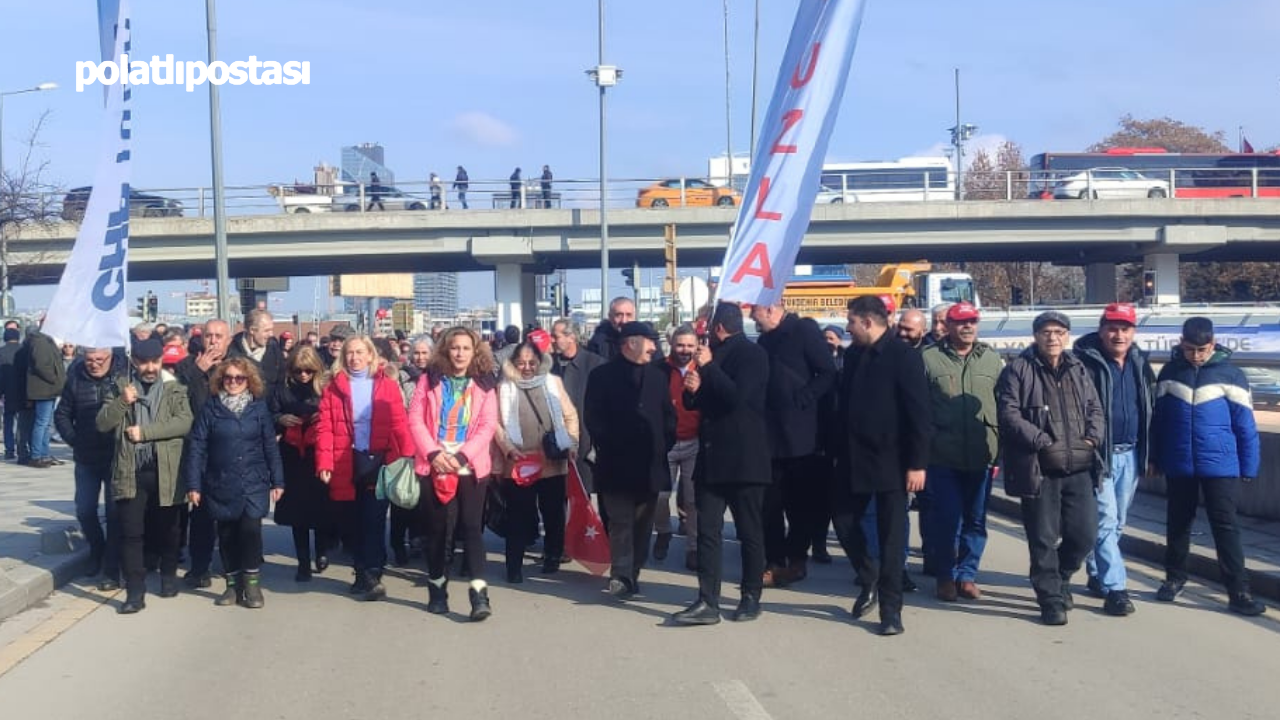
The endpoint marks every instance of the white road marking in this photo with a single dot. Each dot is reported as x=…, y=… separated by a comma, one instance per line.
x=741, y=702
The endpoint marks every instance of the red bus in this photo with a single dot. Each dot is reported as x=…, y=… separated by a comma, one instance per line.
x=1191, y=175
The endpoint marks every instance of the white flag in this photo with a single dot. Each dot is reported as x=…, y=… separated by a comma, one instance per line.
x=786, y=164
x=89, y=307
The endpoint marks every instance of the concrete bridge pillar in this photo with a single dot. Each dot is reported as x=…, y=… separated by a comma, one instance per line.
x=1100, y=283
x=513, y=289
x=1168, y=284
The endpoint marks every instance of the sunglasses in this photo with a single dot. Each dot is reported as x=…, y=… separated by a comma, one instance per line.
x=234, y=379
x=304, y=371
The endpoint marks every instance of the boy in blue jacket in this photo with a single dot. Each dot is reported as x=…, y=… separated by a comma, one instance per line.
x=1203, y=437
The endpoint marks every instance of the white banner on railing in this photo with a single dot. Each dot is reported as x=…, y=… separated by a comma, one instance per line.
x=89, y=307
x=786, y=164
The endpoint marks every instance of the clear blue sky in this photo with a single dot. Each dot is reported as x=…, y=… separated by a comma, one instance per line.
x=496, y=83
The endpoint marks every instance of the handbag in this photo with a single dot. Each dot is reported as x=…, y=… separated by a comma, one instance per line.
x=398, y=483
x=495, y=510
x=365, y=467
x=550, y=448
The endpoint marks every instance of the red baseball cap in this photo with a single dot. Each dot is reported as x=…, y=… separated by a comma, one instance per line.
x=540, y=339
x=173, y=354
x=889, y=305
x=286, y=335
x=962, y=311
x=1120, y=312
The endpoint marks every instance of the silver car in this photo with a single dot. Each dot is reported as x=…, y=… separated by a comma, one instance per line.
x=1110, y=183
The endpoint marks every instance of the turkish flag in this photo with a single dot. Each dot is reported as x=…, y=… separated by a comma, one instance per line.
x=584, y=538
x=1245, y=145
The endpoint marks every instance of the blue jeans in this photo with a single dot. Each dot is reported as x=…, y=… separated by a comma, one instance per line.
x=42, y=428
x=1115, y=495
x=957, y=527
x=90, y=482
x=869, y=523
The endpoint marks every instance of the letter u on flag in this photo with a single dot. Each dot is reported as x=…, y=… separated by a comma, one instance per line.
x=89, y=307
x=786, y=165
x=584, y=538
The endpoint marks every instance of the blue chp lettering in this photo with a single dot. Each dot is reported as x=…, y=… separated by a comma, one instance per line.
x=108, y=291
x=191, y=73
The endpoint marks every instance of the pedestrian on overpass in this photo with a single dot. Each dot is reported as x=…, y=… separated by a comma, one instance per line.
x=1051, y=426
x=1204, y=440
x=375, y=193
x=545, y=186
x=460, y=184
x=1126, y=388
x=962, y=374
x=515, y=184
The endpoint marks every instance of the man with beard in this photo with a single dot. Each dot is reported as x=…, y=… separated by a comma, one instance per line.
x=728, y=390
x=573, y=365
x=604, y=342
x=684, y=454
x=912, y=331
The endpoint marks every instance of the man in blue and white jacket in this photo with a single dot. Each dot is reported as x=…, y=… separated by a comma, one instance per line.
x=1203, y=437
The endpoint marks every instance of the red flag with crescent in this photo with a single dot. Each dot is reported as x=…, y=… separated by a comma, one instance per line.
x=584, y=538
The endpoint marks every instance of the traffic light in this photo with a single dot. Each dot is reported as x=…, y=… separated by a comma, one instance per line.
x=1015, y=295
x=1148, y=284
x=630, y=275
x=142, y=307
x=295, y=319
x=669, y=260
x=153, y=308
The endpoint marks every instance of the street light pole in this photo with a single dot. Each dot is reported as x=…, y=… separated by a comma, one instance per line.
x=604, y=76
x=4, y=238
x=219, y=202
x=959, y=134
x=728, y=114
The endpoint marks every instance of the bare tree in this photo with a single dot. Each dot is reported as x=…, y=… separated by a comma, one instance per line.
x=1172, y=135
x=28, y=196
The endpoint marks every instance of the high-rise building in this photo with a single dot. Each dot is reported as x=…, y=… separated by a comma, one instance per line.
x=436, y=293
x=360, y=160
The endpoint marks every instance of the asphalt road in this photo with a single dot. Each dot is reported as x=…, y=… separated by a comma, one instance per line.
x=556, y=648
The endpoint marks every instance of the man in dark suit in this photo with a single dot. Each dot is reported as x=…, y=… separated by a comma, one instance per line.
x=573, y=365
x=885, y=428
x=733, y=469
x=633, y=426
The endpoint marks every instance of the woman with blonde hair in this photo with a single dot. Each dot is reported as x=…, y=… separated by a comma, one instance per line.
x=295, y=407
x=361, y=427
x=453, y=416
x=538, y=438
x=233, y=465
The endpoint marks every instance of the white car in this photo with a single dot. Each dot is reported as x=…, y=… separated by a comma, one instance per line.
x=1110, y=183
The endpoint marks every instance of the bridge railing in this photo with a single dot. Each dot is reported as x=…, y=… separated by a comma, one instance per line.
x=660, y=193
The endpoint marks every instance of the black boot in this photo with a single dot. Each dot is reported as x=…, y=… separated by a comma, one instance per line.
x=231, y=595
x=480, y=604
x=168, y=586
x=438, y=597
x=134, y=602
x=748, y=607
x=251, y=597
x=376, y=591
x=699, y=613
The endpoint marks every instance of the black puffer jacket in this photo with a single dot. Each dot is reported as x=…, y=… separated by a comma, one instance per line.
x=801, y=372
x=77, y=412
x=1051, y=421
x=272, y=366
x=605, y=340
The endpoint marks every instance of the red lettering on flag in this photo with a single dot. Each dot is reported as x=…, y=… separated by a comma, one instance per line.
x=761, y=214
x=757, y=263
x=798, y=82
x=789, y=119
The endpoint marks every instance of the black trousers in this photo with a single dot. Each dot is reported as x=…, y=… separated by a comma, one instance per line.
x=138, y=515
x=1220, y=497
x=464, y=511
x=791, y=508
x=240, y=543
x=546, y=496
x=1061, y=525
x=746, y=503
x=405, y=526
x=302, y=543
x=631, y=523
x=201, y=536
x=883, y=572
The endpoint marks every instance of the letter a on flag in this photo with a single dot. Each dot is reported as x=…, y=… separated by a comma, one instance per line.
x=786, y=165
x=584, y=538
x=89, y=307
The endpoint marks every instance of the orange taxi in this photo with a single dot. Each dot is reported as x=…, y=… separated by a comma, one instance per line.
x=696, y=193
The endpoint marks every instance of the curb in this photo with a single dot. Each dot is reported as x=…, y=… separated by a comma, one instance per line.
x=1202, y=565
x=29, y=583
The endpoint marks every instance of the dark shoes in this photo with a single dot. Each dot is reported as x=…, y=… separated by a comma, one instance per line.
x=866, y=602
x=550, y=566
x=108, y=584
x=947, y=591
x=322, y=563
x=231, y=595
x=169, y=586
x=515, y=575
x=438, y=598
x=197, y=580
x=661, y=545
x=303, y=574
x=1118, y=604
x=251, y=595
x=1169, y=590
x=699, y=613
x=132, y=605
x=822, y=557
x=908, y=585
x=1068, y=600
x=1244, y=604
x=748, y=607
x=375, y=591
x=891, y=624
x=480, y=608
x=1095, y=587
x=1053, y=615
x=622, y=588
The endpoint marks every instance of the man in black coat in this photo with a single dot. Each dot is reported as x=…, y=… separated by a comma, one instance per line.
x=573, y=365
x=14, y=397
x=632, y=422
x=255, y=343
x=604, y=341
x=91, y=380
x=733, y=469
x=885, y=428
x=801, y=371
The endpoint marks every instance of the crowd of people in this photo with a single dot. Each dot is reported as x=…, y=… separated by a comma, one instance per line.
x=196, y=438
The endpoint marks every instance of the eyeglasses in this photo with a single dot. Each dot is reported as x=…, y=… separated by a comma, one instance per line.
x=1053, y=333
x=527, y=364
x=234, y=379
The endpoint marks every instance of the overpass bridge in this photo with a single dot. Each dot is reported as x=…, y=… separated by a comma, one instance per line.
x=521, y=243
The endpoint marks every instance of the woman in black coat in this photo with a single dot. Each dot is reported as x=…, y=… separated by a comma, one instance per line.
x=305, y=506
x=233, y=464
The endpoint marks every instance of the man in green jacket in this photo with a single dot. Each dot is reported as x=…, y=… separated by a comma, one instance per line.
x=46, y=374
x=962, y=376
x=150, y=418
